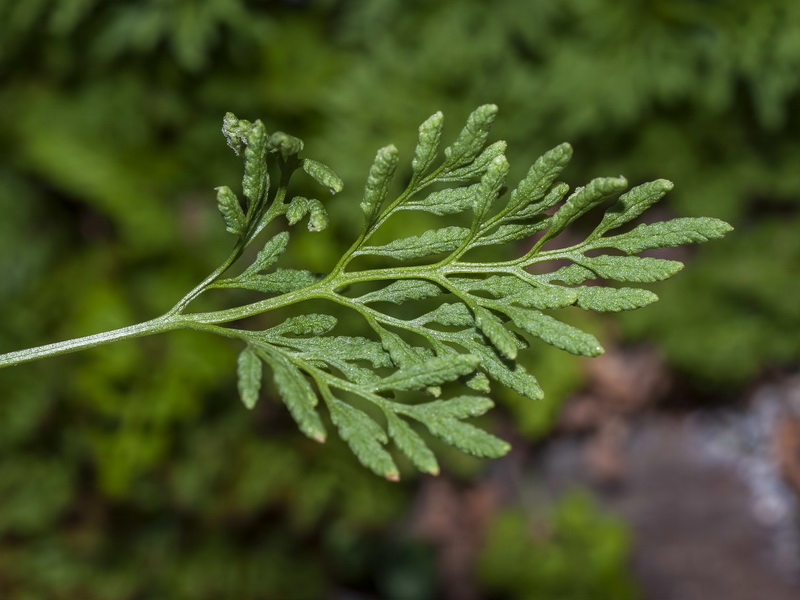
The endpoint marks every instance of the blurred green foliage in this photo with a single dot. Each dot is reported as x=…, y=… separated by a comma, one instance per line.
x=133, y=472
x=575, y=553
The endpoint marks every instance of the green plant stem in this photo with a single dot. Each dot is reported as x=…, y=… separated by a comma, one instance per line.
x=159, y=325
x=170, y=321
x=176, y=319
x=203, y=285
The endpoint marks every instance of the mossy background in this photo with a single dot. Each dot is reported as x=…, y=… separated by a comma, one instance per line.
x=133, y=471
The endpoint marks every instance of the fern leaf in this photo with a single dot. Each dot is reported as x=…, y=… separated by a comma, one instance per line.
x=554, y=332
x=444, y=202
x=365, y=437
x=461, y=407
x=323, y=175
x=297, y=393
x=380, y=175
x=256, y=177
x=635, y=269
x=348, y=348
x=431, y=372
x=468, y=438
x=545, y=298
x=286, y=145
x=318, y=216
x=268, y=255
x=430, y=134
x=476, y=168
x=537, y=209
x=313, y=324
x=489, y=187
x=297, y=209
x=472, y=138
x=249, y=374
x=666, y=234
x=412, y=445
x=464, y=322
x=402, y=353
x=540, y=177
x=484, y=312
x=632, y=204
x=603, y=299
x=583, y=200
x=281, y=281
x=493, y=328
x=431, y=242
x=402, y=291
x=511, y=374
x=508, y=233
x=231, y=210
x=449, y=314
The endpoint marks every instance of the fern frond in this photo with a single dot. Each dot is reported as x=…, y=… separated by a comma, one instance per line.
x=469, y=318
x=485, y=313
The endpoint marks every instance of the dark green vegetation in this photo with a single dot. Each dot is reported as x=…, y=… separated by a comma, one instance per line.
x=120, y=478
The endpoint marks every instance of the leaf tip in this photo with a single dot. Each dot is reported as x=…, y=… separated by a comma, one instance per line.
x=320, y=437
x=435, y=120
x=323, y=175
x=617, y=184
x=434, y=390
x=388, y=151
x=499, y=163
x=564, y=150
x=725, y=227
x=393, y=476
x=472, y=362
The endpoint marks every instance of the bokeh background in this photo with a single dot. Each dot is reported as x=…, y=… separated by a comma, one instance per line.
x=667, y=469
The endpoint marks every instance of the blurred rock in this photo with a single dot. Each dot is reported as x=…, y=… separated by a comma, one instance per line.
x=711, y=494
x=621, y=383
x=455, y=522
x=787, y=450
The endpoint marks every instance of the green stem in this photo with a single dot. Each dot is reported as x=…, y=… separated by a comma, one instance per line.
x=251, y=310
x=201, y=287
x=170, y=321
x=159, y=325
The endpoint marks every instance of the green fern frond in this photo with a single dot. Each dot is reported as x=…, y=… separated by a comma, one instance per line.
x=473, y=317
